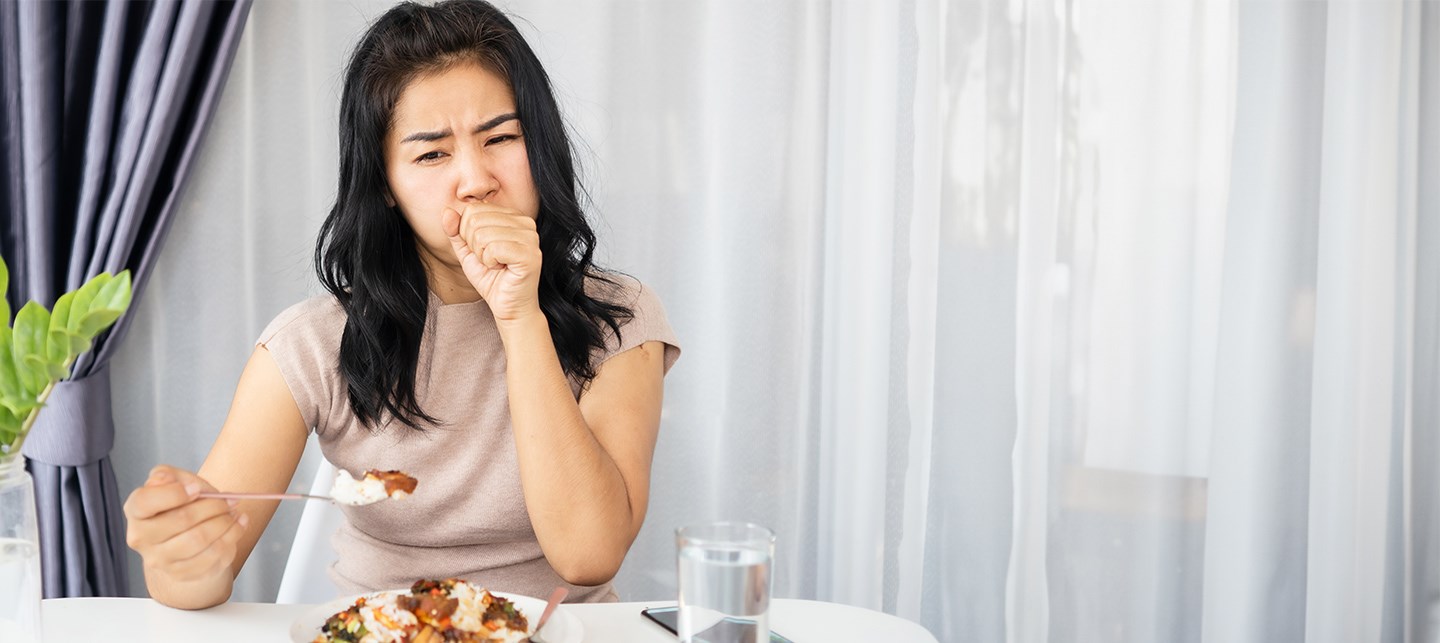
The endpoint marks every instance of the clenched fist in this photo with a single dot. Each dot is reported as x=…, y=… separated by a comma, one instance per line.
x=499, y=250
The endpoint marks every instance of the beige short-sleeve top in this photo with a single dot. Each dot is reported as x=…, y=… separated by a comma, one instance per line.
x=467, y=517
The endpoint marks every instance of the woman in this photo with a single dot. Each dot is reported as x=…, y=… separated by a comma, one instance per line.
x=466, y=339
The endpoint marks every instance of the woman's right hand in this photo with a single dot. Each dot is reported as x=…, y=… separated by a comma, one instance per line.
x=184, y=538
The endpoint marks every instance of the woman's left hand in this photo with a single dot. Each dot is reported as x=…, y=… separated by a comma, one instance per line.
x=499, y=250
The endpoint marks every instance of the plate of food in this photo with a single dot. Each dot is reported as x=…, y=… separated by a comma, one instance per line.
x=450, y=611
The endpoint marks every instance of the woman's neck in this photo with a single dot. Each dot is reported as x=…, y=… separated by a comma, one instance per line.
x=447, y=282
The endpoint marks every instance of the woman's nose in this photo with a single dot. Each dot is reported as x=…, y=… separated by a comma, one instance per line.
x=476, y=181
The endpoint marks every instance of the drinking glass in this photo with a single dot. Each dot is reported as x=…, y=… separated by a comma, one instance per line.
x=724, y=572
x=19, y=554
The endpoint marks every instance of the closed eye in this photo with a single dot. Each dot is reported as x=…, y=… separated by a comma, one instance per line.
x=503, y=138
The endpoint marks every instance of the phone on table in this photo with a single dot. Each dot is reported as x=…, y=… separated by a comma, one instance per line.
x=728, y=630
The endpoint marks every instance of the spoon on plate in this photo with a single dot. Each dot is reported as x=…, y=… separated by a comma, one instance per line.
x=555, y=598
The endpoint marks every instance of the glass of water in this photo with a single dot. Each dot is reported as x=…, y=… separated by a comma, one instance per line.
x=724, y=582
x=19, y=554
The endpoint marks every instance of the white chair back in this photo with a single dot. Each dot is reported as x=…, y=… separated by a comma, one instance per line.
x=307, y=572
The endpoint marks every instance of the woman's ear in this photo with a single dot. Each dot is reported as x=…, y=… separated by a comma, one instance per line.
x=389, y=199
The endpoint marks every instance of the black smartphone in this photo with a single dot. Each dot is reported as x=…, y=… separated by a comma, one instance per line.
x=728, y=630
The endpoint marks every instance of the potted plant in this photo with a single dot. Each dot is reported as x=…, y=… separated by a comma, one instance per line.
x=36, y=351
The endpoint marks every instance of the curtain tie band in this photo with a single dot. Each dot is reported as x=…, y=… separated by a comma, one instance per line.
x=75, y=427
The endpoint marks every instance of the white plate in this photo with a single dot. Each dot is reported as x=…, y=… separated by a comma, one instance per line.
x=562, y=628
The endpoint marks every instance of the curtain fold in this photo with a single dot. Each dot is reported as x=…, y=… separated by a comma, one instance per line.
x=113, y=100
x=1256, y=509
x=1422, y=589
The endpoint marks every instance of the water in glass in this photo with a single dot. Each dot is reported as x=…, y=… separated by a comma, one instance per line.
x=19, y=555
x=725, y=585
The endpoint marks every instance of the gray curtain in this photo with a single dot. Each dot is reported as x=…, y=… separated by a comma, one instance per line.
x=104, y=106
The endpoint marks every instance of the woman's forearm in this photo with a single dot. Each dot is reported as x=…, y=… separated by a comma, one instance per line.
x=577, y=497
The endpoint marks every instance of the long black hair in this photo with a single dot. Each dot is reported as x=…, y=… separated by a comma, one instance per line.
x=367, y=254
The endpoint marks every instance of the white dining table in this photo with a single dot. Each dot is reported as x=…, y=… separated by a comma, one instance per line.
x=141, y=620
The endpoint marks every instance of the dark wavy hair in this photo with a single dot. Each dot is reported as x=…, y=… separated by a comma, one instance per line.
x=367, y=254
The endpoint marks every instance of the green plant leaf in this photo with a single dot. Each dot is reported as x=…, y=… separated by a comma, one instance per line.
x=10, y=425
x=97, y=320
x=78, y=344
x=32, y=324
x=60, y=312
x=109, y=303
x=9, y=376
x=57, y=349
x=19, y=406
x=51, y=372
x=83, y=298
x=4, y=287
x=115, y=294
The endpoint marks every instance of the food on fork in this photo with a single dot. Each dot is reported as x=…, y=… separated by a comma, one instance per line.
x=373, y=487
x=446, y=611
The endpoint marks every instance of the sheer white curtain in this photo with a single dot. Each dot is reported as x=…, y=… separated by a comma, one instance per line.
x=1028, y=320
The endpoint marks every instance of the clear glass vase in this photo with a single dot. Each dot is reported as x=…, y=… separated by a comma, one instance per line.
x=19, y=554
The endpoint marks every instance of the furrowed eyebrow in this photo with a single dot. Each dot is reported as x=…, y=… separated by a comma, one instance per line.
x=495, y=122
x=427, y=137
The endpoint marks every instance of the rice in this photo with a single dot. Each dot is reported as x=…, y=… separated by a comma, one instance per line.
x=472, y=607
x=386, y=621
x=349, y=491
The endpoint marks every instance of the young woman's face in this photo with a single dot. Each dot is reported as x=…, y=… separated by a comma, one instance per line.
x=456, y=140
